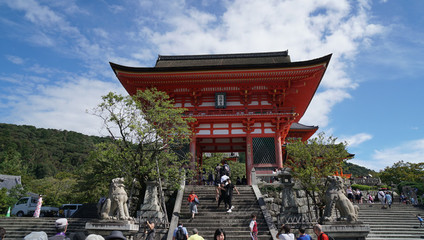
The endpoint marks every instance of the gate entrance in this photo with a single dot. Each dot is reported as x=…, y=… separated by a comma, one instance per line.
x=241, y=102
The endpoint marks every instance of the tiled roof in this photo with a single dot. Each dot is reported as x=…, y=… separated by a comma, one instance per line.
x=222, y=59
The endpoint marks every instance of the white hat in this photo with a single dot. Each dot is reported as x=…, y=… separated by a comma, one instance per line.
x=61, y=222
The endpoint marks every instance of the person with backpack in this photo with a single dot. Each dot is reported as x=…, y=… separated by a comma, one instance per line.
x=193, y=200
x=225, y=169
x=180, y=233
x=229, y=194
x=320, y=234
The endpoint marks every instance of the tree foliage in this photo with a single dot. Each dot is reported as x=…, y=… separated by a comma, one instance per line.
x=403, y=171
x=312, y=161
x=145, y=129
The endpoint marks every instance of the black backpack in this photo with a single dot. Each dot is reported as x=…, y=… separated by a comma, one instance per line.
x=180, y=234
x=225, y=170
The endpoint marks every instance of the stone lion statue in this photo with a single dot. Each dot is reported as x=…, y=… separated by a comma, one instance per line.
x=115, y=205
x=335, y=197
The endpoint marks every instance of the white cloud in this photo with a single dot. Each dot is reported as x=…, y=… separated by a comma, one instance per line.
x=356, y=140
x=64, y=106
x=314, y=30
x=15, y=59
x=411, y=151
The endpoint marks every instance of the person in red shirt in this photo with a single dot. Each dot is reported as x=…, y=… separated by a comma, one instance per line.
x=193, y=205
x=253, y=226
x=320, y=234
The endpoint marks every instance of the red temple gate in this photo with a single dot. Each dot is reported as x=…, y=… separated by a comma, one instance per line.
x=241, y=102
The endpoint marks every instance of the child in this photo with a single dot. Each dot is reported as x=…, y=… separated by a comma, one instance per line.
x=420, y=219
x=253, y=226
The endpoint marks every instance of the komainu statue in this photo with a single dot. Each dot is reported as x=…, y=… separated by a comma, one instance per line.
x=115, y=206
x=335, y=197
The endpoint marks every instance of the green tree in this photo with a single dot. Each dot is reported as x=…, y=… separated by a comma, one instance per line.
x=11, y=163
x=403, y=171
x=312, y=161
x=145, y=130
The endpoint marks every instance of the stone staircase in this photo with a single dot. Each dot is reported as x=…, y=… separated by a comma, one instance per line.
x=397, y=222
x=19, y=227
x=210, y=218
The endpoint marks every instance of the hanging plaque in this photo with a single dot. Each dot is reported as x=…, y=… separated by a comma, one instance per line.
x=220, y=100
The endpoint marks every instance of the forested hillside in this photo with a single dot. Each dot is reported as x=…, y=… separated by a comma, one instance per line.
x=40, y=153
x=356, y=170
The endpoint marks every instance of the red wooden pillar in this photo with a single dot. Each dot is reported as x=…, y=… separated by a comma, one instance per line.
x=249, y=158
x=193, y=153
x=278, y=149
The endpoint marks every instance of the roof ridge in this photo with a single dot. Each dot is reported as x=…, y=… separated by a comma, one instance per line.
x=221, y=56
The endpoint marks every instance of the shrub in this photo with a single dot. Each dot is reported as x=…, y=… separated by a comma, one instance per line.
x=363, y=187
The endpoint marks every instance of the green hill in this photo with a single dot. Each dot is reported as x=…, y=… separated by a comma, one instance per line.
x=38, y=152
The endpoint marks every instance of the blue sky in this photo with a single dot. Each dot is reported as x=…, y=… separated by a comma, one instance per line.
x=54, y=59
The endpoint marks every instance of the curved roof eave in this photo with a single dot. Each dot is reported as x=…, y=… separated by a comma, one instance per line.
x=321, y=60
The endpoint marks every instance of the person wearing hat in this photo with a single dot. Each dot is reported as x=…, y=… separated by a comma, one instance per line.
x=116, y=235
x=195, y=235
x=61, y=225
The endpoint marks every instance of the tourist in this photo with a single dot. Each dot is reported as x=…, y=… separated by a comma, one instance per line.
x=244, y=180
x=320, y=234
x=402, y=198
x=38, y=208
x=229, y=188
x=210, y=178
x=36, y=236
x=193, y=203
x=358, y=196
x=116, y=235
x=150, y=231
x=2, y=233
x=349, y=193
x=94, y=237
x=61, y=226
x=420, y=219
x=180, y=233
x=222, y=195
x=303, y=235
x=284, y=233
x=195, y=235
x=217, y=181
x=370, y=198
x=388, y=199
x=77, y=236
x=381, y=196
x=225, y=168
x=253, y=227
x=219, y=234
x=238, y=181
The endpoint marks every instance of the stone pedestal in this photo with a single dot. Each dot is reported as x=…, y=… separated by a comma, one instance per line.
x=104, y=227
x=289, y=211
x=346, y=231
x=150, y=209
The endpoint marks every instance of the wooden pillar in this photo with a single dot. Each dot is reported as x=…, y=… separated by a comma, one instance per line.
x=278, y=149
x=249, y=158
x=193, y=153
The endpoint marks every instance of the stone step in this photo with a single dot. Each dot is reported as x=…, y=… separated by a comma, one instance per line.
x=211, y=217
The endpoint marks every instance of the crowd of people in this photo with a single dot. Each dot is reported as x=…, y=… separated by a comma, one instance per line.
x=61, y=226
x=181, y=233
x=285, y=233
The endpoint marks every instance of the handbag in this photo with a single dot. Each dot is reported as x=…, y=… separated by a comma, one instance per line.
x=196, y=200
